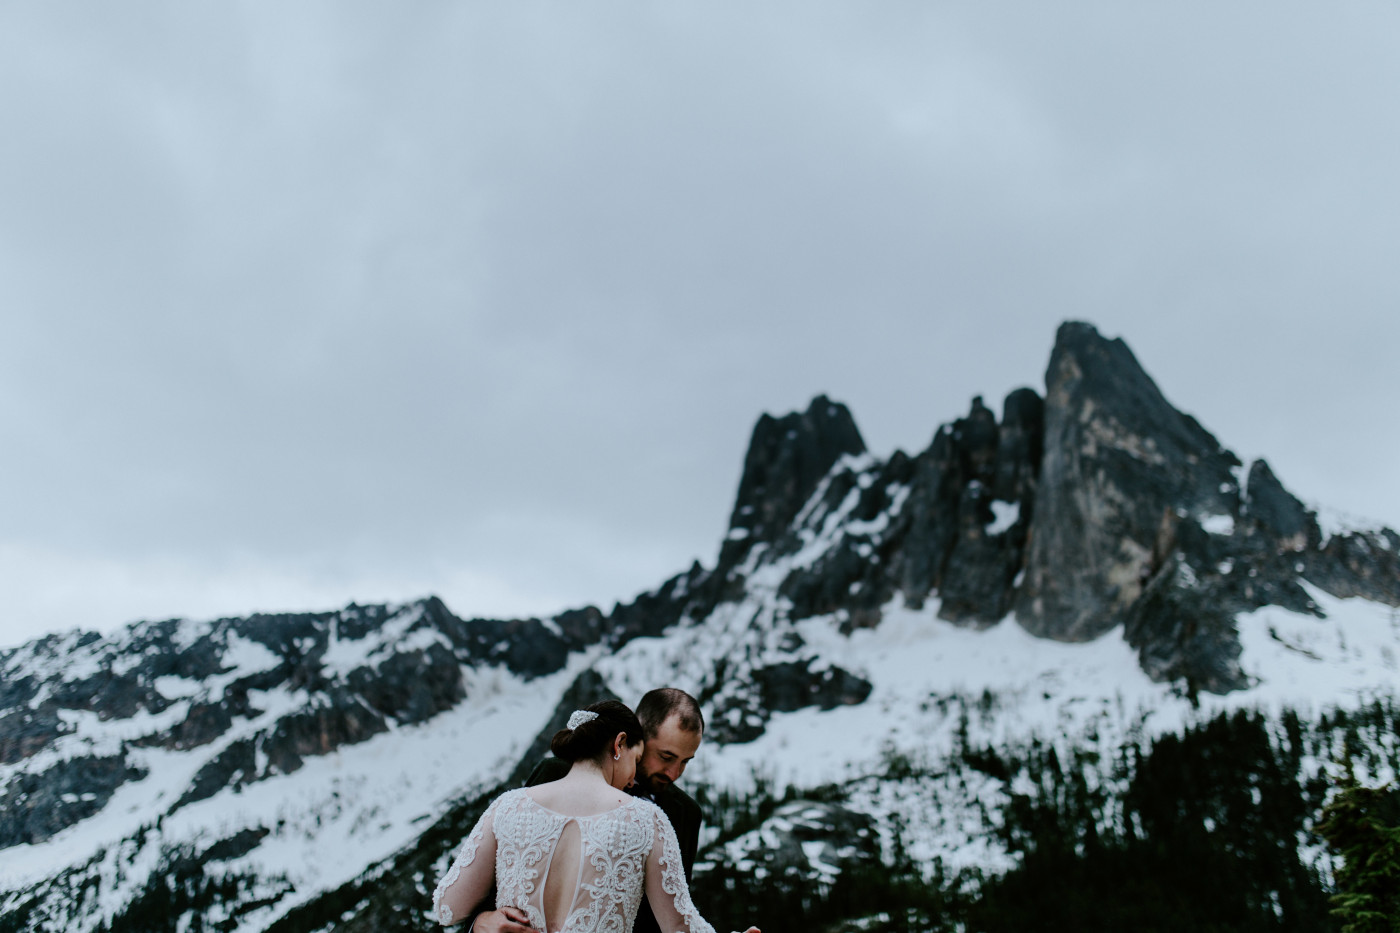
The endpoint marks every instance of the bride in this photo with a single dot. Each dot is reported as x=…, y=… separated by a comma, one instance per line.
x=577, y=854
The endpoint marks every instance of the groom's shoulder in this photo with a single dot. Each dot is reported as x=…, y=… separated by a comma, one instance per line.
x=549, y=769
x=675, y=803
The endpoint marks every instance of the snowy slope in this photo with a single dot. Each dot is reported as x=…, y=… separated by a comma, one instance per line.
x=343, y=812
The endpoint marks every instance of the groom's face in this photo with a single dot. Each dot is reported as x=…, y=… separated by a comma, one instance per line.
x=667, y=753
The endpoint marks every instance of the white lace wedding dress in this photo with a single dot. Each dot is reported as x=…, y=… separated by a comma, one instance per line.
x=571, y=874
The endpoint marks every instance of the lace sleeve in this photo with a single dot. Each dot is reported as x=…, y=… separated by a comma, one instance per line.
x=472, y=872
x=666, y=888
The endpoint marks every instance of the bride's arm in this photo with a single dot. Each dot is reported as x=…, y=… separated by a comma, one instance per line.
x=665, y=884
x=472, y=872
x=666, y=888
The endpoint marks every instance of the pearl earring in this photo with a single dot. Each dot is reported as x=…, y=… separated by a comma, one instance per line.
x=617, y=756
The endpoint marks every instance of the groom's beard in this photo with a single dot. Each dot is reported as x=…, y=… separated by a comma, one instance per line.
x=644, y=786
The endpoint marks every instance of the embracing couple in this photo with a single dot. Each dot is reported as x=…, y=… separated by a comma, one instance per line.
x=596, y=828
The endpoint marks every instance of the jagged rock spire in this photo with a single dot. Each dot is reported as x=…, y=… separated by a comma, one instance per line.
x=787, y=458
x=946, y=539
x=1118, y=461
x=1275, y=513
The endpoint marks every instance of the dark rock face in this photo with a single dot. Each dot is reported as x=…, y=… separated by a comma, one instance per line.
x=235, y=846
x=1360, y=563
x=978, y=576
x=1184, y=632
x=952, y=520
x=1117, y=458
x=789, y=686
x=409, y=687
x=36, y=806
x=782, y=687
x=23, y=733
x=1020, y=443
x=319, y=731
x=952, y=538
x=787, y=458
x=235, y=766
x=693, y=593
x=1097, y=506
x=840, y=581
x=811, y=840
x=927, y=529
x=1273, y=516
x=523, y=645
x=204, y=723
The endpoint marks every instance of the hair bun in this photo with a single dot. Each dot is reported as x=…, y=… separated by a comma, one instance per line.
x=580, y=740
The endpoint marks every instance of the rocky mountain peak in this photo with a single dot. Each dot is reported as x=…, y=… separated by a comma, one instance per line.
x=787, y=458
x=1118, y=459
x=1271, y=511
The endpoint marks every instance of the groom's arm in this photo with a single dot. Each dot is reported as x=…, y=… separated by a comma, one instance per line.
x=689, y=839
x=505, y=920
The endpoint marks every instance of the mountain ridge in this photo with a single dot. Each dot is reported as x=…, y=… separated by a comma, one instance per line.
x=1095, y=507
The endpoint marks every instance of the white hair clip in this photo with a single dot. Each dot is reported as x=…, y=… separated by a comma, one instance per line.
x=580, y=717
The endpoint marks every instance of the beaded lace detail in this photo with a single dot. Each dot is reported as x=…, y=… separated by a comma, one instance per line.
x=620, y=853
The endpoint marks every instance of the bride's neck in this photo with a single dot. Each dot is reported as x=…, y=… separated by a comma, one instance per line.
x=586, y=769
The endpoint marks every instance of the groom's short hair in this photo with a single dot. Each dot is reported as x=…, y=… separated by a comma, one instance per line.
x=662, y=703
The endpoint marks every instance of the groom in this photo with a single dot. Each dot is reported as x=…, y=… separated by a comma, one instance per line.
x=673, y=725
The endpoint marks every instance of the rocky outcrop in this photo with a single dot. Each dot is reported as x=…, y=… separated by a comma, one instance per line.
x=789, y=686
x=951, y=520
x=691, y=594
x=963, y=530
x=24, y=733
x=810, y=841
x=235, y=766
x=779, y=687
x=787, y=458
x=1117, y=457
x=408, y=687
x=1272, y=518
x=34, y=807
x=393, y=665
x=1098, y=506
x=1363, y=564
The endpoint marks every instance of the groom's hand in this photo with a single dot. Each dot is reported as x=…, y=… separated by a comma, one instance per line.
x=505, y=920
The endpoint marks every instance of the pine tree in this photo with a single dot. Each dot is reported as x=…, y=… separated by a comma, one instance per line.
x=1362, y=826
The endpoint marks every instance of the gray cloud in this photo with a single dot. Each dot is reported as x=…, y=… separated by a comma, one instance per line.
x=363, y=302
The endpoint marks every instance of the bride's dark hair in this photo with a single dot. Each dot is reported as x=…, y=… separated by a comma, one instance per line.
x=592, y=738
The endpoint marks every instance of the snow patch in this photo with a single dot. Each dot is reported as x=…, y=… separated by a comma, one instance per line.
x=1005, y=514
x=1219, y=524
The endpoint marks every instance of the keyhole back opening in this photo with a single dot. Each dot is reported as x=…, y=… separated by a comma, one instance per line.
x=563, y=877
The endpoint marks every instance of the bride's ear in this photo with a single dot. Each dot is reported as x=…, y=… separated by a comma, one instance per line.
x=619, y=742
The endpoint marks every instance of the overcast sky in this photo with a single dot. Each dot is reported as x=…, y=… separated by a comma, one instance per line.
x=318, y=302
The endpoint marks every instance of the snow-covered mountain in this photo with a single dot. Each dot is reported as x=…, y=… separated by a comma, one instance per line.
x=891, y=643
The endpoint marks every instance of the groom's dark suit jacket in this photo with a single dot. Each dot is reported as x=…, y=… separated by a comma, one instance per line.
x=683, y=812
